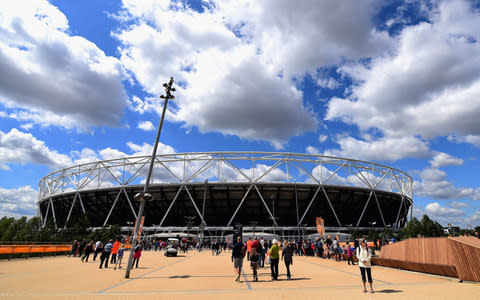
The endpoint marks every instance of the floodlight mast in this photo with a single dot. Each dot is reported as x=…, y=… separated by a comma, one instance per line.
x=143, y=197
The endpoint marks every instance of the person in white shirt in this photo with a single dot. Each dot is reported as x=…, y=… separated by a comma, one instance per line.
x=364, y=256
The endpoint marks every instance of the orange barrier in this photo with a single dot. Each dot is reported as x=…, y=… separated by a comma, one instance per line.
x=25, y=249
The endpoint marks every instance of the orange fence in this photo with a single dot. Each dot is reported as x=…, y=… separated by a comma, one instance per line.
x=26, y=249
x=31, y=249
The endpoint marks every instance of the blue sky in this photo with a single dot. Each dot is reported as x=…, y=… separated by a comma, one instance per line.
x=395, y=82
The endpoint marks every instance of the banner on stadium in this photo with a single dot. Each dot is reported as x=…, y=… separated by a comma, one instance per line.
x=320, y=225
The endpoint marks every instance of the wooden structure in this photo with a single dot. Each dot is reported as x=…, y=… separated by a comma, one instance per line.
x=452, y=256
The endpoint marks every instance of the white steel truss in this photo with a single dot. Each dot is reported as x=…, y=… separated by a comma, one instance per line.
x=228, y=167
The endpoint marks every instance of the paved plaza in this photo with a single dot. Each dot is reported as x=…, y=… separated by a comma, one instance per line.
x=203, y=276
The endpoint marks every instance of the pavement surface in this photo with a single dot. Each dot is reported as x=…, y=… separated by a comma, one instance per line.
x=203, y=276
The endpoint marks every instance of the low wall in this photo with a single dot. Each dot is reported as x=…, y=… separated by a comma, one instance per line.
x=454, y=257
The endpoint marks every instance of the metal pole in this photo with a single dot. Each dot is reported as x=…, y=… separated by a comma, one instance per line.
x=168, y=90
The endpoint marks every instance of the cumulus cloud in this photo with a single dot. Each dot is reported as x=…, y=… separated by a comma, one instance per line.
x=386, y=149
x=234, y=62
x=300, y=38
x=312, y=150
x=474, y=219
x=441, y=159
x=18, y=202
x=17, y=147
x=329, y=83
x=52, y=78
x=456, y=204
x=428, y=86
x=146, y=126
x=434, y=184
x=444, y=215
x=471, y=139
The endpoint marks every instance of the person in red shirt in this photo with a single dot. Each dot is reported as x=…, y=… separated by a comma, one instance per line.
x=256, y=244
x=115, y=248
x=249, y=247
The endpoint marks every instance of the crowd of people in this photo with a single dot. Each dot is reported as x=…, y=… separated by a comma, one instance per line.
x=110, y=251
x=257, y=251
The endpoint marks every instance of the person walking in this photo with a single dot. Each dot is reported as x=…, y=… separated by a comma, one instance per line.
x=238, y=252
x=88, y=250
x=249, y=247
x=107, y=249
x=136, y=255
x=74, y=248
x=254, y=257
x=261, y=251
x=350, y=254
x=274, y=258
x=287, y=257
x=364, y=257
x=119, y=257
x=115, y=248
x=98, y=249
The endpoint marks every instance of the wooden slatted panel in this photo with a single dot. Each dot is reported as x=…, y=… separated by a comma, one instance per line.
x=466, y=252
x=445, y=270
x=420, y=250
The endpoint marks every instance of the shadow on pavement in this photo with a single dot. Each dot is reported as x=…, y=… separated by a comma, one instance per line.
x=389, y=291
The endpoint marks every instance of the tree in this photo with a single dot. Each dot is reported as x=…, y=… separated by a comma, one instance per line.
x=5, y=224
x=426, y=227
x=387, y=233
x=372, y=234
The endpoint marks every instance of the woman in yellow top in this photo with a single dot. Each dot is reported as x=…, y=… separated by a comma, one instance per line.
x=274, y=258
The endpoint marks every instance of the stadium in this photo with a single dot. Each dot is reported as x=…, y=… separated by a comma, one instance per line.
x=210, y=193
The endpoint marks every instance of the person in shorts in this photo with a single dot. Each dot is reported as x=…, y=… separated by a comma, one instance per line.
x=238, y=252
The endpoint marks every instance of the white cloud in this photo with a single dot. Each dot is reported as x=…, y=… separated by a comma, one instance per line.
x=434, y=184
x=456, y=204
x=329, y=83
x=456, y=215
x=474, y=219
x=383, y=149
x=146, y=126
x=299, y=37
x=18, y=202
x=312, y=150
x=429, y=86
x=441, y=159
x=322, y=138
x=444, y=215
x=234, y=62
x=52, y=78
x=471, y=139
x=17, y=147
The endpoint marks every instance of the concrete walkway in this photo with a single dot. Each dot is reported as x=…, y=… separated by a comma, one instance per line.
x=203, y=276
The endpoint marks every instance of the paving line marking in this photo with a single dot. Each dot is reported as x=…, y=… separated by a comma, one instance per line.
x=342, y=271
x=143, y=275
x=246, y=280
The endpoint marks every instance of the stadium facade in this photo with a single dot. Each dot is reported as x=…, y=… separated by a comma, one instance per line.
x=212, y=192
